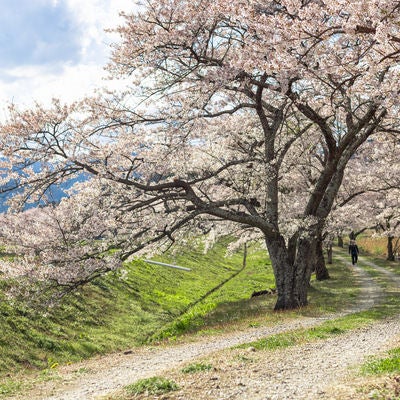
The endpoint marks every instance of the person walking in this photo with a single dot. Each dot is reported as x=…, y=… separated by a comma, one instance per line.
x=353, y=251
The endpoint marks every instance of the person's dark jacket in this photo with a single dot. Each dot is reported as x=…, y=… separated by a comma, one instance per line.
x=353, y=249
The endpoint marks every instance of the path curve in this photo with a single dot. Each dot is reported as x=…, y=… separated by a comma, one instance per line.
x=109, y=373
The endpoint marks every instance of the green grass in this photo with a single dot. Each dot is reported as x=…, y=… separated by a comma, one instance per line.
x=196, y=367
x=335, y=293
x=151, y=303
x=10, y=386
x=153, y=386
x=326, y=296
x=388, y=365
x=381, y=377
x=343, y=294
x=326, y=330
x=125, y=309
x=234, y=294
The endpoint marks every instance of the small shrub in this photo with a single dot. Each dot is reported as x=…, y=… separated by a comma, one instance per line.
x=197, y=367
x=244, y=359
x=154, y=385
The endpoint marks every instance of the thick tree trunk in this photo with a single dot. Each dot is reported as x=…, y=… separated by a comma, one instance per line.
x=390, y=251
x=321, y=272
x=340, y=241
x=292, y=279
x=283, y=272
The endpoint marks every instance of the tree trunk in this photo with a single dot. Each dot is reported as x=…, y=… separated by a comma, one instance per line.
x=390, y=251
x=340, y=241
x=330, y=254
x=321, y=272
x=292, y=279
x=305, y=262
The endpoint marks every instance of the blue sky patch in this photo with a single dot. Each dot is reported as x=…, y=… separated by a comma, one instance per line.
x=34, y=32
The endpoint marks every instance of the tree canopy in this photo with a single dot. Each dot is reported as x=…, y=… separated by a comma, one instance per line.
x=239, y=117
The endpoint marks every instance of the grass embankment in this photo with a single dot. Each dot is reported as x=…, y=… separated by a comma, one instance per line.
x=144, y=302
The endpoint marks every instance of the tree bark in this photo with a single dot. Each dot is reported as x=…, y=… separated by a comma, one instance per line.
x=321, y=272
x=340, y=241
x=390, y=251
x=283, y=272
x=330, y=254
x=292, y=279
x=305, y=261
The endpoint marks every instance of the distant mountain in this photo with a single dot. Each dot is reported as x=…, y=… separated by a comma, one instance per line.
x=54, y=193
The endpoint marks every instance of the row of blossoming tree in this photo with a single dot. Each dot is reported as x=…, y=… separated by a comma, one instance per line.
x=238, y=117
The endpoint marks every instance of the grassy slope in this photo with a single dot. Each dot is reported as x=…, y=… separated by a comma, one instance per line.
x=125, y=309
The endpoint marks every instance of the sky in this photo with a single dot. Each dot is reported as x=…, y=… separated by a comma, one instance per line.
x=55, y=48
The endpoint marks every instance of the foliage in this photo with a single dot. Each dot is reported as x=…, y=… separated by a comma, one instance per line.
x=369, y=194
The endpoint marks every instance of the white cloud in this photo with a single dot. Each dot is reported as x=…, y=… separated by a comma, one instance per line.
x=93, y=16
x=41, y=83
x=72, y=80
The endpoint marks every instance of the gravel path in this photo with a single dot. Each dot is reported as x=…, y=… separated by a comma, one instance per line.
x=300, y=372
x=311, y=371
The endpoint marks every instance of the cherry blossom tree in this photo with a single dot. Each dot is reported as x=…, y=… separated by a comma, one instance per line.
x=222, y=97
x=388, y=221
x=368, y=198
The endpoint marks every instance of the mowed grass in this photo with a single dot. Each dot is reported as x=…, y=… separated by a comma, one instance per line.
x=326, y=296
x=126, y=308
